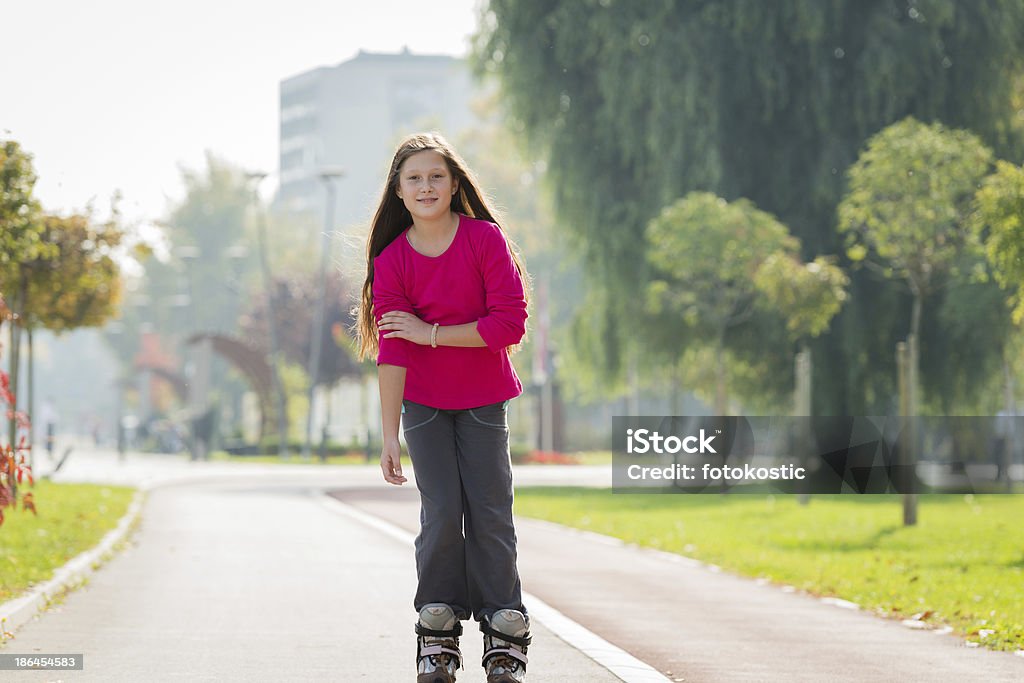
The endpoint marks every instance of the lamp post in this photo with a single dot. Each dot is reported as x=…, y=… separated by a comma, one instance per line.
x=261, y=235
x=328, y=176
x=199, y=381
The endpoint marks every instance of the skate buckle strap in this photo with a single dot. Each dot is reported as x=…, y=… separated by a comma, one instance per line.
x=422, y=630
x=504, y=651
x=523, y=642
x=438, y=649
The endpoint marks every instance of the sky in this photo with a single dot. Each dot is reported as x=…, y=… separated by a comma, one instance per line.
x=121, y=95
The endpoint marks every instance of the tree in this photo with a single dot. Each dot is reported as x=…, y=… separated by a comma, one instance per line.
x=909, y=196
x=704, y=254
x=78, y=284
x=295, y=298
x=207, y=235
x=19, y=210
x=20, y=242
x=638, y=103
x=999, y=220
x=907, y=206
x=807, y=295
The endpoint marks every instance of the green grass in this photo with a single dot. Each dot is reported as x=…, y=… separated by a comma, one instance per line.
x=72, y=518
x=962, y=565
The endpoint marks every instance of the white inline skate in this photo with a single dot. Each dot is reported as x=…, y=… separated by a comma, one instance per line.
x=506, y=636
x=438, y=656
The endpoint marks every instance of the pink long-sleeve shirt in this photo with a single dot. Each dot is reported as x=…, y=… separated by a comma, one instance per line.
x=474, y=280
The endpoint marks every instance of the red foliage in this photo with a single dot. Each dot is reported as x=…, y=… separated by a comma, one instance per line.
x=13, y=468
x=550, y=458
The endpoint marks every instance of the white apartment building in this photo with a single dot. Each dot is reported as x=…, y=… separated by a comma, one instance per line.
x=350, y=116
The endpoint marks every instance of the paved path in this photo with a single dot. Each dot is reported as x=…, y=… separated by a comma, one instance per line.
x=249, y=576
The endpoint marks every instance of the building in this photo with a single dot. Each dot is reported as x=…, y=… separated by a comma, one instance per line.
x=350, y=117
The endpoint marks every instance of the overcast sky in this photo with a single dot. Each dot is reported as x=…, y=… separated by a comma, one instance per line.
x=118, y=94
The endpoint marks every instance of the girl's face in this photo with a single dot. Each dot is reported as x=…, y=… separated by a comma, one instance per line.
x=426, y=186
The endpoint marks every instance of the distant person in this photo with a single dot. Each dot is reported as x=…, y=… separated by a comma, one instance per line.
x=97, y=432
x=446, y=293
x=1004, y=451
x=48, y=418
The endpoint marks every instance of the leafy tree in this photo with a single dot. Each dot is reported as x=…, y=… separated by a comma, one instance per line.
x=295, y=298
x=637, y=103
x=908, y=201
x=200, y=279
x=999, y=219
x=807, y=295
x=78, y=285
x=704, y=254
x=20, y=242
x=907, y=207
x=207, y=235
x=19, y=212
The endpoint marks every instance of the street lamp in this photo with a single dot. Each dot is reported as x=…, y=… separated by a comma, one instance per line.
x=328, y=176
x=255, y=179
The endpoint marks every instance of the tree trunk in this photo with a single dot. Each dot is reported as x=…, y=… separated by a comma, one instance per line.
x=904, y=365
x=31, y=407
x=1010, y=436
x=633, y=379
x=721, y=397
x=275, y=374
x=18, y=311
x=673, y=390
x=802, y=411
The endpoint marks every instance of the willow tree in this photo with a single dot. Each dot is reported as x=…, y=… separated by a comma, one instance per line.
x=637, y=103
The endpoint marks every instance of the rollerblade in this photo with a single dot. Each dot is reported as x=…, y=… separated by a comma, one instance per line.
x=438, y=656
x=506, y=635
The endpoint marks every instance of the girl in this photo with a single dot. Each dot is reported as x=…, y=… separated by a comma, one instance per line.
x=445, y=296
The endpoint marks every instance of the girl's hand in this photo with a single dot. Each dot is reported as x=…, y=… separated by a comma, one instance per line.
x=402, y=325
x=391, y=462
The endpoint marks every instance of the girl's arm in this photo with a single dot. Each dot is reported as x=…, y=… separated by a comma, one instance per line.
x=391, y=380
x=459, y=335
x=402, y=325
x=504, y=323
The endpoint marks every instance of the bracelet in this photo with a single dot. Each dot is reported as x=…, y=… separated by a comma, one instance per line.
x=433, y=336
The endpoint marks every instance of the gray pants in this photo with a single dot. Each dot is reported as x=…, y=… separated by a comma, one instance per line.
x=466, y=548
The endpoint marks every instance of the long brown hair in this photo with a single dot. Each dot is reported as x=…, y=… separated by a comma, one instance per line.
x=392, y=218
